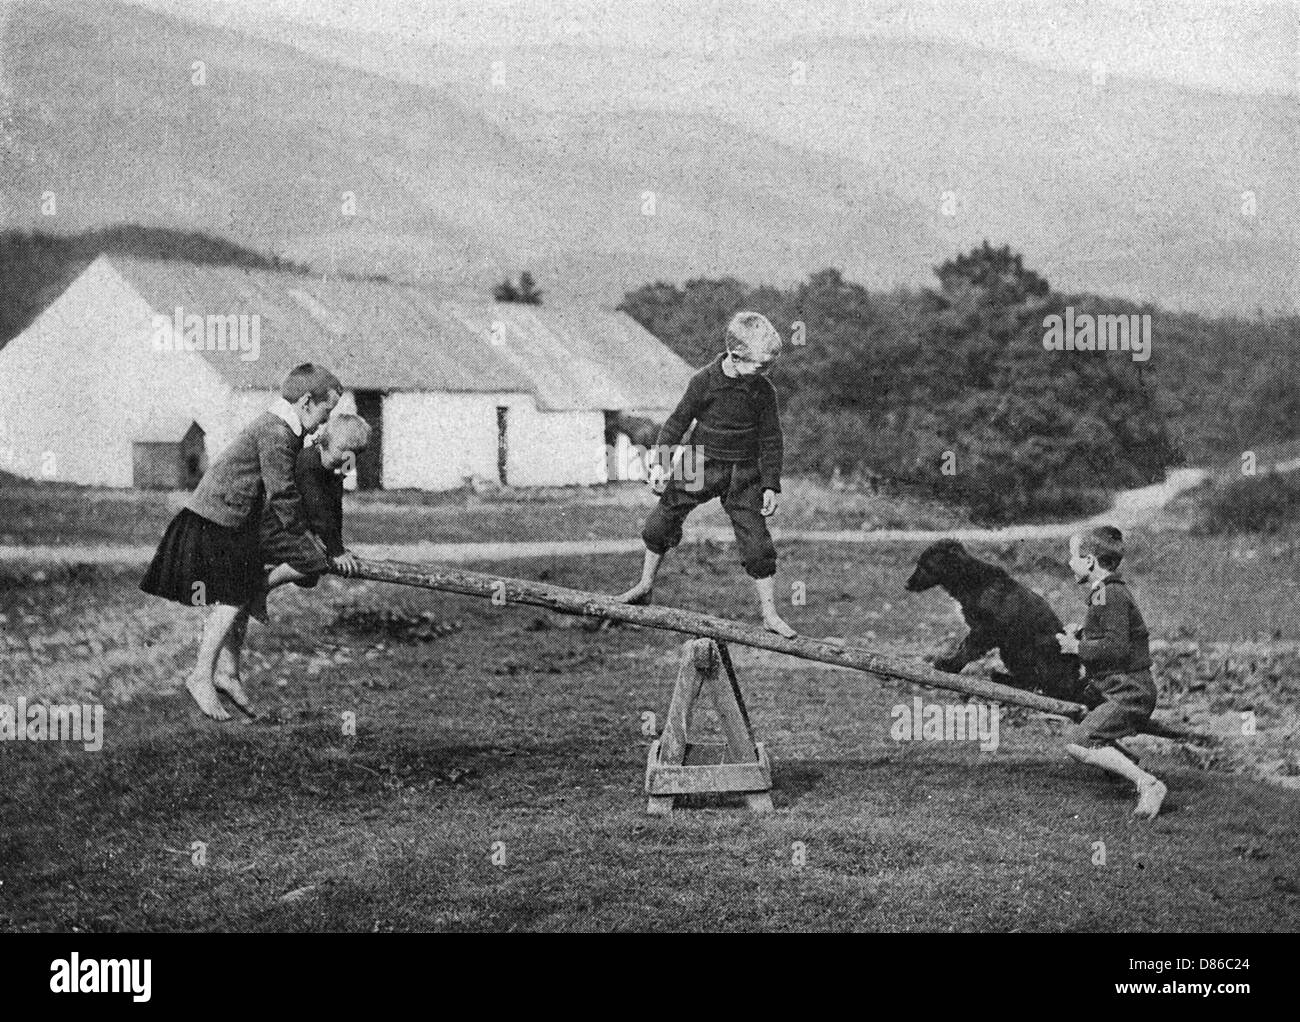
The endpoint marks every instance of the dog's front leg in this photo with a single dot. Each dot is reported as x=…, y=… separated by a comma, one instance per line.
x=974, y=646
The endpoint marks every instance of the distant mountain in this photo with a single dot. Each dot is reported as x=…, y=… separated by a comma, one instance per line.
x=104, y=115
x=1116, y=185
x=469, y=166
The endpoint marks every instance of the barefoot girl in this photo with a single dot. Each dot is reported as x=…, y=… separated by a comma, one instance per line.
x=209, y=555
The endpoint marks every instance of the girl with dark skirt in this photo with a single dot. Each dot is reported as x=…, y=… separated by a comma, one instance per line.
x=210, y=555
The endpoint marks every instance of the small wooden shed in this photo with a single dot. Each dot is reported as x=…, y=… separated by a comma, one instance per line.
x=167, y=462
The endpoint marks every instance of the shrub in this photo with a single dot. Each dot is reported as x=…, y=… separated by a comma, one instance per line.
x=1262, y=503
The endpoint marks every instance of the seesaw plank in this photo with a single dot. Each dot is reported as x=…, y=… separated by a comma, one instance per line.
x=583, y=604
x=672, y=619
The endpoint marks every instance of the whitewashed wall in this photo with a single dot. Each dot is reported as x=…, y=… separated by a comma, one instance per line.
x=437, y=441
x=555, y=448
x=83, y=381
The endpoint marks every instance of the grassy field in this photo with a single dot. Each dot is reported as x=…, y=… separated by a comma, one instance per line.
x=508, y=732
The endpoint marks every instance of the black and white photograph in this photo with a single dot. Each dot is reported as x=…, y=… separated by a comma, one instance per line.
x=651, y=467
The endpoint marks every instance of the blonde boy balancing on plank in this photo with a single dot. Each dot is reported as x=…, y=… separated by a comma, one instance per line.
x=1113, y=648
x=738, y=433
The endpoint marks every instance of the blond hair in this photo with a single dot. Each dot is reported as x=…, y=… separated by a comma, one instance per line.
x=751, y=335
x=346, y=433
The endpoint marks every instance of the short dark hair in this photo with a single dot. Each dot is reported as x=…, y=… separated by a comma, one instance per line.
x=309, y=379
x=1106, y=543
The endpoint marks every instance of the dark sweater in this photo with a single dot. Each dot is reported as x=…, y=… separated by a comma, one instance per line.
x=735, y=420
x=321, y=490
x=1114, y=639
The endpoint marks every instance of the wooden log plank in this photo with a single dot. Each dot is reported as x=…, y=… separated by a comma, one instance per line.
x=583, y=604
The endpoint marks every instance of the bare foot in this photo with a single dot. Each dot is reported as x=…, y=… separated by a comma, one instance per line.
x=202, y=692
x=637, y=595
x=1150, y=798
x=773, y=623
x=235, y=692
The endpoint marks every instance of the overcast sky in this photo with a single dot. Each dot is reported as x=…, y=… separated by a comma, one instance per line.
x=1238, y=47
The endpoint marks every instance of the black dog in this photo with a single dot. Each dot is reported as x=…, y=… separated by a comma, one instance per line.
x=1003, y=614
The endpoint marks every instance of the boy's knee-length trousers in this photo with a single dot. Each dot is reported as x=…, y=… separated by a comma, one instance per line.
x=741, y=488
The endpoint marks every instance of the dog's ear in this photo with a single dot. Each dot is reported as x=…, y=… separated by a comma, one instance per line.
x=945, y=552
x=958, y=565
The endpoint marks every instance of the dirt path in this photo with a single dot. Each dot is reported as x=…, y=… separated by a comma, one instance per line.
x=1132, y=507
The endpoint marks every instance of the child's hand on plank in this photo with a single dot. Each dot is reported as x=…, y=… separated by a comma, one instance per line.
x=346, y=563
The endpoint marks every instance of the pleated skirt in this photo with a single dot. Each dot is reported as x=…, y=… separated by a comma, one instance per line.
x=199, y=563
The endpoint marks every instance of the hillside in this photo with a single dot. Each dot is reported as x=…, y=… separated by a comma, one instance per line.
x=470, y=164
x=103, y=113
x=1119, y=187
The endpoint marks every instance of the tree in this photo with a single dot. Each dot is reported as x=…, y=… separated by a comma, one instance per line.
x=897, y=385
x=997, y=274
x=526, y=293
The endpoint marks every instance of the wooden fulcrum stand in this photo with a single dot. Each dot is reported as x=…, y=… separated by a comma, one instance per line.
x=677, y=766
